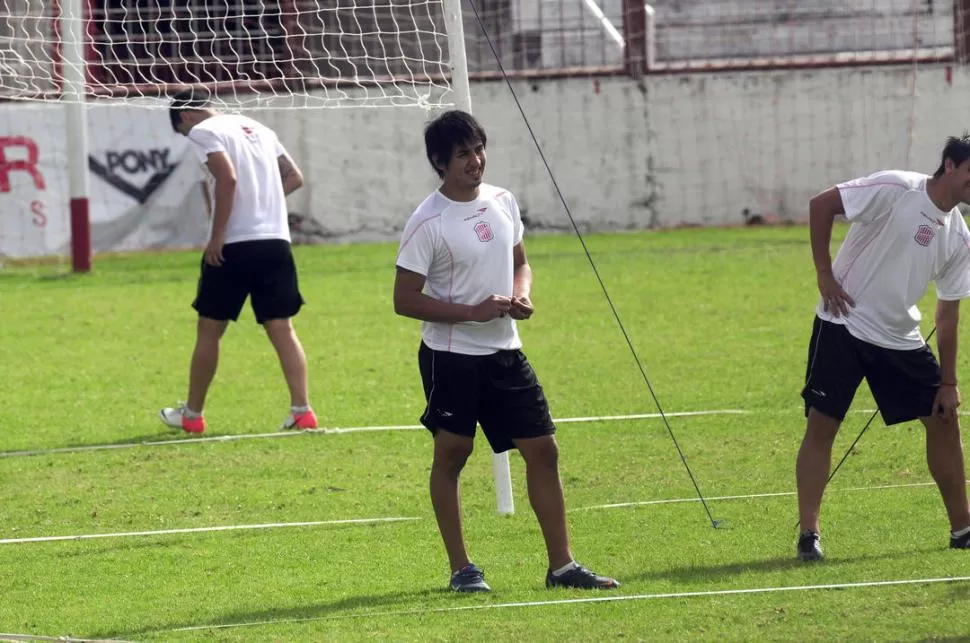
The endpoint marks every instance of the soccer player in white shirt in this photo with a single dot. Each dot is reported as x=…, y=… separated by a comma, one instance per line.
x=247, y=253
x=462, y=270
x=906, y=232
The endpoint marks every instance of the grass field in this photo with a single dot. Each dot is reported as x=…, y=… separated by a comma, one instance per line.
x=721, y=320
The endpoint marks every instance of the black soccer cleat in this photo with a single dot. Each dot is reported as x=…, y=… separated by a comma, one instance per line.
x=469, y=579
x=809, y=548
x=580, y=578
x=960, y=542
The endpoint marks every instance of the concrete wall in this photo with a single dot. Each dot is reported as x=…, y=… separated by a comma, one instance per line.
x=693, y=149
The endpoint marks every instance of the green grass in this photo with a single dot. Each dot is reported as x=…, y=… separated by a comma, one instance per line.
x=721, y=320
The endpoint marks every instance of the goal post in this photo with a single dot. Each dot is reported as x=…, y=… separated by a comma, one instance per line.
x=74, y=73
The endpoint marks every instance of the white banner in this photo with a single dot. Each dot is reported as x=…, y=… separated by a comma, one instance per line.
x=144, y=181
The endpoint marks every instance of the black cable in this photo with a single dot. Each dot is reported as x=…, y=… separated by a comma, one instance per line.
x=589, y=257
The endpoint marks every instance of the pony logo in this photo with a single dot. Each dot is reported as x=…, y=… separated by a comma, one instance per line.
x=484, y=231
x=924, y=234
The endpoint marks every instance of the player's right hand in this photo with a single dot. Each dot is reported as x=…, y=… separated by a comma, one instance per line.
x=835, y=301
x=492, y=307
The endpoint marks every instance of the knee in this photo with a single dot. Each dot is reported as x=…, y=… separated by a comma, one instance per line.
x=452, y=457
x=821, y=429
x=278, y=328
x=938, y=428
x=211, y=330
x=542, y=452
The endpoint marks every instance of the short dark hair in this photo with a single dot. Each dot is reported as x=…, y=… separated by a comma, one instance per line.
x=957, y=149
x=185, y=101
x=446, y=132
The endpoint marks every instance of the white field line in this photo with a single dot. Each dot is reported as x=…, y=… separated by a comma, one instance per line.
x=669, y=501
x=596, y=599
x=337, y=430
x=351, y=521
x=59, y=639
x=197, y=530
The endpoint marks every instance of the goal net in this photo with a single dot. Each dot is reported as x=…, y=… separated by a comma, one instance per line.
x=311, y=69
x=283, y=53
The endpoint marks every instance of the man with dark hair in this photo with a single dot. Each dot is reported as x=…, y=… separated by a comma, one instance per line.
x=247, y=253
x=957, y=149
x=906, y=232
x=462, y=270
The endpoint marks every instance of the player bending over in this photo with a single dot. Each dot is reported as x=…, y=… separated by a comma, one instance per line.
x=906, y=232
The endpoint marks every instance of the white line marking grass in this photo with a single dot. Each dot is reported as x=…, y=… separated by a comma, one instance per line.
x=59, y=639
x=577, y=601
x=334, y=430
x=669, y=501
x=198, y=530
x=364, y=521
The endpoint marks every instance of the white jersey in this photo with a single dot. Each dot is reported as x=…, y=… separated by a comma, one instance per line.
x=899, y=241
x=259, y=210
x=464, y=250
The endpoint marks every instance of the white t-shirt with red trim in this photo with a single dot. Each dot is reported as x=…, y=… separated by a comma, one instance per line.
x=464, y=250
x=259, y=210
x=898, y=243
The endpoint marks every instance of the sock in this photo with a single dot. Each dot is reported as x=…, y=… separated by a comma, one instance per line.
x=961, y=533
x=565, y=568
x=808, y=532
x=299, y=409
x=189, y=413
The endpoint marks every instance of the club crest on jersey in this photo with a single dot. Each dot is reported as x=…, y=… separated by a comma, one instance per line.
x=484, y=231
x=924, y=234
x=250, y=133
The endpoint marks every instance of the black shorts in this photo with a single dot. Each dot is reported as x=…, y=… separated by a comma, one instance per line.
x=263, y=270
x=499, y=391
x=903, y=382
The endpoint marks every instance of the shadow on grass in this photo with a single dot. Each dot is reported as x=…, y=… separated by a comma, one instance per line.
x=350, y=606
x=144, y=440
x=691, y=574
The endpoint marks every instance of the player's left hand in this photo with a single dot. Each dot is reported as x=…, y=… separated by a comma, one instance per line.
x=521, y=308
x=946, y=402
x=213, y=252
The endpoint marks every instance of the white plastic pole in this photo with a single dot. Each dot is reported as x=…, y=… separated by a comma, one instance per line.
x=463, y=101
x=74, y=78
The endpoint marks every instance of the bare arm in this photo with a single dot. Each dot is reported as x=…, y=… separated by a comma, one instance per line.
x=948, y=395
x=222, y=169
x=947, y=321
x=521, y=284
x=290, y=174
x=822, y=210
x=411, y=301
x=207, y=199
x=522, y=277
